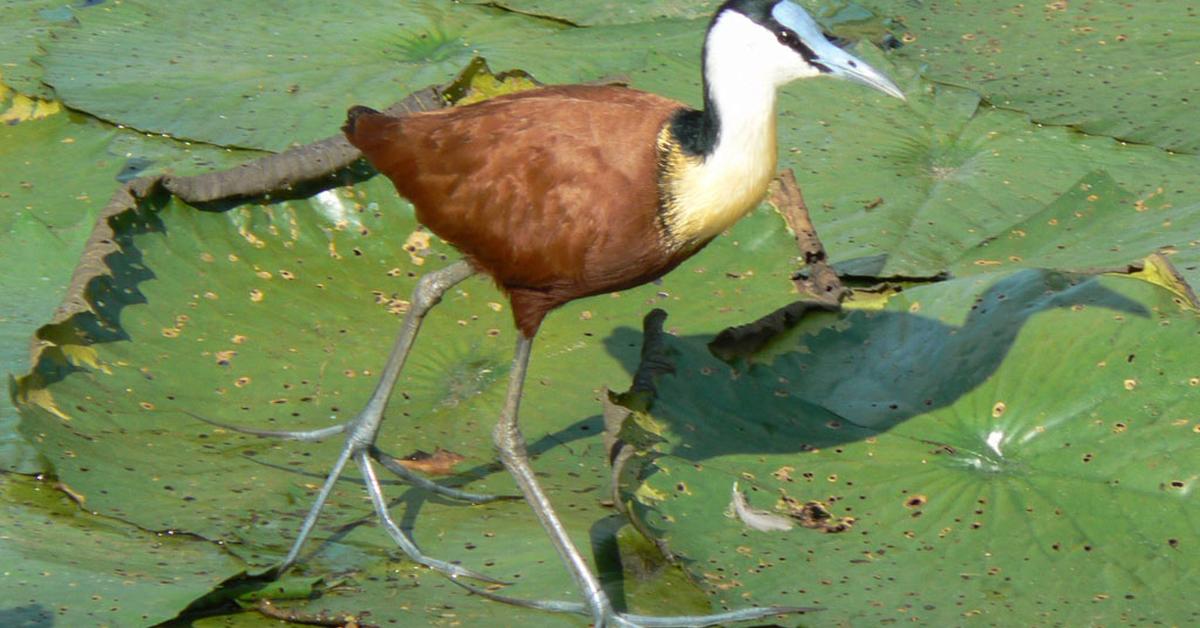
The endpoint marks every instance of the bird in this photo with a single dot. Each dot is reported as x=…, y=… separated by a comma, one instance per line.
x=564, y=192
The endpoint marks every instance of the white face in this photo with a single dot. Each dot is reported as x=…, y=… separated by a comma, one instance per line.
x=739, y=45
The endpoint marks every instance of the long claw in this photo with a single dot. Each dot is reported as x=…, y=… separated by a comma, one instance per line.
x=745, y=614
x=647, y=621
x=308, y=436
x=553, y=606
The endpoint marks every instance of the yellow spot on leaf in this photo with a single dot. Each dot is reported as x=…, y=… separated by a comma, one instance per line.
x=23, y=108
x=648, y=496
x=250, y=237
x=83, y=355
x=417, y=245
x=42, y=398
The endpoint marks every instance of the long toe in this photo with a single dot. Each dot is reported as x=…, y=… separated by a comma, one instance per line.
x=391, y=464
x=646, y=621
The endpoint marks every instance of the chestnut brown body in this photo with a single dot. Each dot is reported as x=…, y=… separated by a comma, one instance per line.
x=552, y=192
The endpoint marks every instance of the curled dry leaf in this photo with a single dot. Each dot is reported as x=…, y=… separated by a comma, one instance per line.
x=440, y=462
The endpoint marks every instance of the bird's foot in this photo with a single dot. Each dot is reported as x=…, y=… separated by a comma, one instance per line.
x=606, y=616
x=360, y=436
x=388, y=461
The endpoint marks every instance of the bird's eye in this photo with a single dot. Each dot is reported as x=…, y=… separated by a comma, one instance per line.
x=786, y=37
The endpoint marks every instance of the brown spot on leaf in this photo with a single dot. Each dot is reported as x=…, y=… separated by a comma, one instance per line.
x=783, y=474
x=814, y=515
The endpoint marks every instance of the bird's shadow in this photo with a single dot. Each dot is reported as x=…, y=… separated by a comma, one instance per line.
x=865, y=372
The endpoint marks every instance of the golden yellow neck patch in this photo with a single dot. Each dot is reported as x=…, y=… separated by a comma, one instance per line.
x=704, y=195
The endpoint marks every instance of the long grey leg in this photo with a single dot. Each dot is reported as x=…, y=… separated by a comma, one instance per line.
x=511, y=444
x=362, y=430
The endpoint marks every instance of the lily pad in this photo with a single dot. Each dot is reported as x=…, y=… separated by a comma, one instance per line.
x=63, y=169
x=238, y=74
x=1096, y=224
x=59, y=567
x=24, y=32
x=1108, y=68
x=607, y=12
x=1013, y=445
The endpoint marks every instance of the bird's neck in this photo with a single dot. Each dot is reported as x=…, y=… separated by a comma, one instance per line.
x=728, y=149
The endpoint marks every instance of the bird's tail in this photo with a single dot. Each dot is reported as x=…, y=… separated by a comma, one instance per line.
x=352, y=116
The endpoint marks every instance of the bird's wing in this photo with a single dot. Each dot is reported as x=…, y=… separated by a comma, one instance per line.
x=540, y=189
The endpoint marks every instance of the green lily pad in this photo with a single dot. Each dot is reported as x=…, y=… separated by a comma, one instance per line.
x=1008, y=446
x=24, y=32
x=608, y=12
x=238, y=74
x=59, y=567
x=64, y=168
x=1096, y=224
x=1116, y=69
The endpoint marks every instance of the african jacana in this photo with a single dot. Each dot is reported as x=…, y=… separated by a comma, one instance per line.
x=565, y=192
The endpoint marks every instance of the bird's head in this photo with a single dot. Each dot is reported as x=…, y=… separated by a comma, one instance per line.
x=781, y=39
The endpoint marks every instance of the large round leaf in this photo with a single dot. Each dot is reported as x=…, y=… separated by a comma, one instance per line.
x=269, y=74
x=1119, y=69
x=24, y=32
x=1095, y=224
x=1014, y=446
x=60, y=171
x=59, y=567
x=610, y=11
x=904, y=188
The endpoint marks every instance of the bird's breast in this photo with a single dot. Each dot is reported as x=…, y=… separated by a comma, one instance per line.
x=703, y=195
